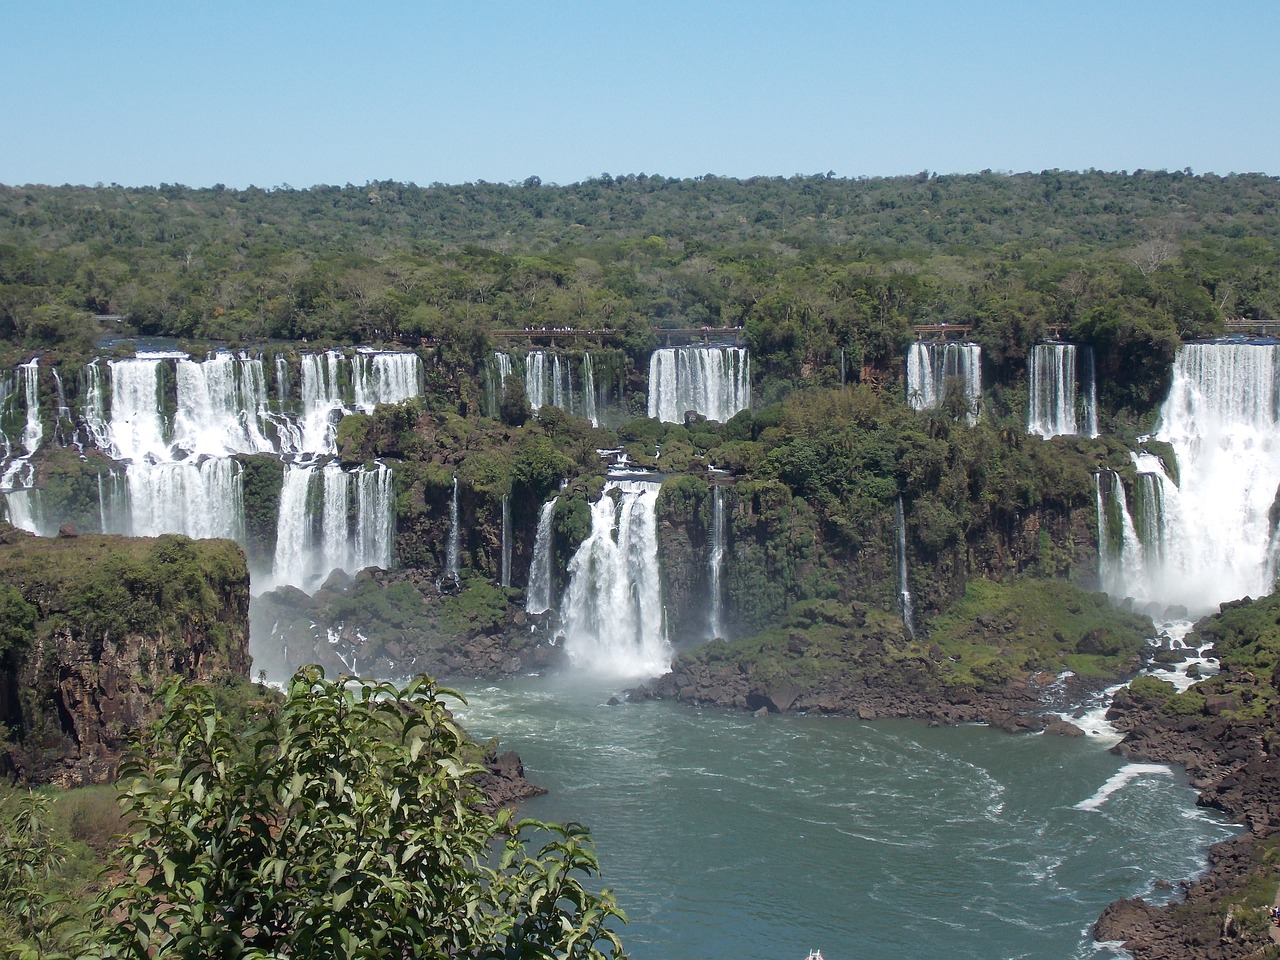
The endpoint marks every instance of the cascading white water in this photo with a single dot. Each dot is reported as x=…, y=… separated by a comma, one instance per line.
x=348, y=526
x=20, y=472
x=561, y=385
x=1222, y=418
x=712, y=381
x=455, y=535
x=506, y=540
x=1120, y=551
x=904, y=587
x=33, y=430
x=1063, y=391
x=322, y=405
x=380, y=376
x=137, y=429
x=589, y=409
x=715, y=565
x=613, y=615
x=222, y=404
x=375, y=520
x=198, y=498
x=535, y=379
x=933, y=366
x=496, y=373
x=23, y=510
x=538, y=595
x=294, y=539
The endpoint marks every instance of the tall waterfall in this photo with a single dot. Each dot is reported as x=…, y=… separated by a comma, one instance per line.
x=20, y=473
x=1057, y=406
x=538, y=596
x=535, y=379
x=329, y=520
x=455, y=535
x=589, y=409
x=496, y=371
x=33, y=430
x=322, y=405
x=933, y=366
x=506, y=540
x=904, y=587
x=712, y=381
x=222, y=406
x=715, y=564
x=613, y=616
x=1120, y=551
x=1209, y=537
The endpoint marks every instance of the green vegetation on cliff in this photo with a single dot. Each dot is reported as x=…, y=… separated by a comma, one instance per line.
x=93, y=625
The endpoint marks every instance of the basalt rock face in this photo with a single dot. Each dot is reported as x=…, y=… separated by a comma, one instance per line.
x=103, y=623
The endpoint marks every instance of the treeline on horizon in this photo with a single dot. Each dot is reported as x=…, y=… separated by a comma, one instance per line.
x=1132, y=263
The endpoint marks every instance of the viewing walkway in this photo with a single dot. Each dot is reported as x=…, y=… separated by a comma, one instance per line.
x=666, y=335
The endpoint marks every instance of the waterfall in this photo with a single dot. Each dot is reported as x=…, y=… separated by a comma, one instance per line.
x=93, y=410
x=380, y=376
x=375, y=519
x=842, y=371
x=198, y=498
x=137, y=428
x=561, y=385
x=1222, y=419
x=33, y=430
x=496, y=372
x=932, y=367
x=538, y=596
x=293, y=529
x=1056, y=407
x=506, y=540
x=322, y=404
x=222, y=404
x=712, y=381
x=613, y=616
x=24, y=510
x=589, y=409
x=1120, y=551
x=20, y=473
x=715, y=564
x=1089, y=398
x=904, y=588
x=64, y=420
x=315, y=535
x=535, y=379
x=451, y=556
x=335, y=535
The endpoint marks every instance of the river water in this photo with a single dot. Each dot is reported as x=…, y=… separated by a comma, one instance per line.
x=730, y=837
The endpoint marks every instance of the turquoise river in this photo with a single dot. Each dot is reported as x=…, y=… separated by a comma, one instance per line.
x=730, y=837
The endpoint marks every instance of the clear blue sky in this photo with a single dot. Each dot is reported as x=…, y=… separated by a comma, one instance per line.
x=267, y=93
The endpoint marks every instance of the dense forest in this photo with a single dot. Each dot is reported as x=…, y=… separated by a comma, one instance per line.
x=808, y=266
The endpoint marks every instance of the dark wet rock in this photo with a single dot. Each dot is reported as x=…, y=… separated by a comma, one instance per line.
x=1062, y=728
x=503, y=782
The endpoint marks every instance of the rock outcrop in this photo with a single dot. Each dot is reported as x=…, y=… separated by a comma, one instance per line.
x=104, y=622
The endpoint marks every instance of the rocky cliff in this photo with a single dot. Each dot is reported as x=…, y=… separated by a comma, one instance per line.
x=94, y=626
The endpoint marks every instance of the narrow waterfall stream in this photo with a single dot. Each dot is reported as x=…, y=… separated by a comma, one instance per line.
x=715, y=565
x=904, y=588
x=539, y=594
